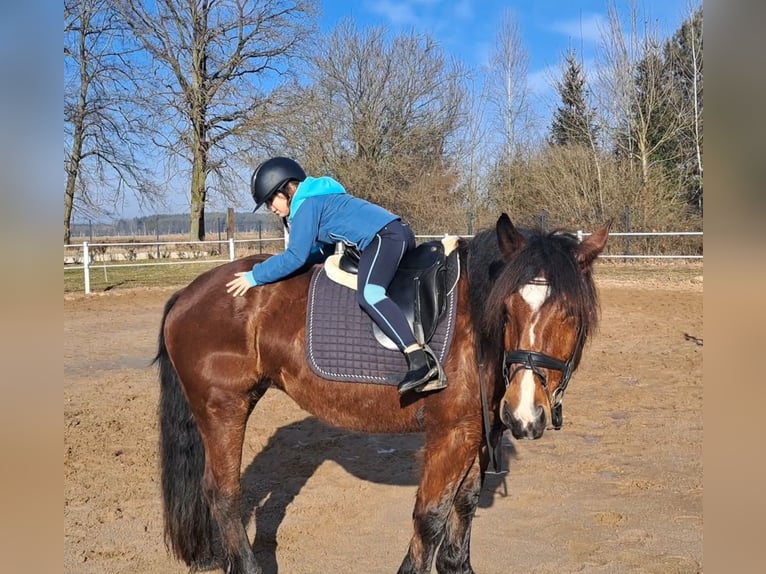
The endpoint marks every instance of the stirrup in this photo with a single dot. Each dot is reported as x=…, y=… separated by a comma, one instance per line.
x=437, y=383
x=414, y=384
x=433, y=385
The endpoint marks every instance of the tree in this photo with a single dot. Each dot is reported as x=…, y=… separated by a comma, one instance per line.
x=573, y=121
x=380, y=115
x=506, y=86
x=654, y=124
x=574, y=126
x=101, y=119
x=683, y=55
x=210, y=63
x=639, y=104
x=509, y=118
x=639, y=95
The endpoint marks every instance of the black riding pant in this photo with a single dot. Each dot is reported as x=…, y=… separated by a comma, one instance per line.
x=377, y=267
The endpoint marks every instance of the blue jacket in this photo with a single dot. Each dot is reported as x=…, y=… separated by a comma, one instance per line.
x=321, y=214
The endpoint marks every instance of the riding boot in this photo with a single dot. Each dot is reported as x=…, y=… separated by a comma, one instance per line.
x=421, y=370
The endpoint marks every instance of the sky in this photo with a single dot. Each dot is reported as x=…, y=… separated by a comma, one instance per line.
x=466, y=29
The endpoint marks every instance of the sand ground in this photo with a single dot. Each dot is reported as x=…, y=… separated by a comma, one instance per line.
x=618, y=489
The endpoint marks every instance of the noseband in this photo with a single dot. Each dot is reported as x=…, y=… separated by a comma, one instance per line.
x=534, y=361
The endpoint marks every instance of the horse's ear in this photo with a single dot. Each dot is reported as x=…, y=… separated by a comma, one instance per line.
x=591, y=246
x=508, y=237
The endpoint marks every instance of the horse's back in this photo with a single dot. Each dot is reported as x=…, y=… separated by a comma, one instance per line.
x=208, y=327
x=205, y=301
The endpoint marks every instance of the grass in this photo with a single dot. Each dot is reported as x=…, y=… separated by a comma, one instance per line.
x=116, y=277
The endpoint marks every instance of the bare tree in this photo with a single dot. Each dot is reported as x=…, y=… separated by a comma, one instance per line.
x=212, y=62
x=510, y=116
x=506, y=85
x=380, y=115
x=473, y=154
x=695, y=37
x=101, y=140
x=636, y=93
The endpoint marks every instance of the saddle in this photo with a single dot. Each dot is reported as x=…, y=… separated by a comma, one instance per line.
x=420, y=287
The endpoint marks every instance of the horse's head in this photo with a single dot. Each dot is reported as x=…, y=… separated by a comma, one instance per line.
x=544, y=303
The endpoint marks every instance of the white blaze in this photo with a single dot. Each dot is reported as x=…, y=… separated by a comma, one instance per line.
x=534, y=295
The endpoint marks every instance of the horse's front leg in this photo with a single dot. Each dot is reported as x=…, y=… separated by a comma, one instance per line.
x=223, y=423
x=448, y=458
x=454, y=556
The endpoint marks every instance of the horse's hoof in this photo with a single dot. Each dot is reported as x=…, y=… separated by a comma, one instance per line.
x=206, y=565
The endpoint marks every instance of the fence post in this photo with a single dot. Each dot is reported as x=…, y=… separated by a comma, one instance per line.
x=230, y=225
x=626, y=239
x=86, y=266
x=231, y=249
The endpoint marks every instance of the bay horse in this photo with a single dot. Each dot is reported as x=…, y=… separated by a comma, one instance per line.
x=526, y=303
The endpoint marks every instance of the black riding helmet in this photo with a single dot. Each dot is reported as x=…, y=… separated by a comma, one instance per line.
x=271, y=175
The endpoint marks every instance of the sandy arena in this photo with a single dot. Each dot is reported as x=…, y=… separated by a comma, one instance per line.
x=618, y=489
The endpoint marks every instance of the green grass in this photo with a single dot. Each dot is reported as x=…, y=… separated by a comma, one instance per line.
x=117, y=277
x=122, y=277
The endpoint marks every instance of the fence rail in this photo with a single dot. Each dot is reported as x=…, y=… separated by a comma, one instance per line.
x=89, y=256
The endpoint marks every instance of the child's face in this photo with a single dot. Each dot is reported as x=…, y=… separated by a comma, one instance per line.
x=278, y=205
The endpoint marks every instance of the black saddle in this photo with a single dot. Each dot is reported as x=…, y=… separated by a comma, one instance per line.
x=420, y=287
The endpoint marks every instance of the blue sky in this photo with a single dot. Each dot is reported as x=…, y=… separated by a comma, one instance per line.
x=466, y=30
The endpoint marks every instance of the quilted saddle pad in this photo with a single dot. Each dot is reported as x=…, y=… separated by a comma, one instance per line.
x=341, y=346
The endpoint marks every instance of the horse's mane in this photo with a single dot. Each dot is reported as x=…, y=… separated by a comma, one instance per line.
x=546, y=254
x=482, y=261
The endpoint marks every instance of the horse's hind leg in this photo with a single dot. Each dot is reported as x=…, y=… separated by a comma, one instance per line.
x=222, y=420
x=454, y=556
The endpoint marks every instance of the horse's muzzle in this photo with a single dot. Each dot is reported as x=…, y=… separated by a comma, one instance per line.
x=524, y=429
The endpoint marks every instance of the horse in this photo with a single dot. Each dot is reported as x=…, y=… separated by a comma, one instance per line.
x=526, y=304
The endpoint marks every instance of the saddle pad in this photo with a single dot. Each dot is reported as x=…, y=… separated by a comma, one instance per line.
x=340, y=344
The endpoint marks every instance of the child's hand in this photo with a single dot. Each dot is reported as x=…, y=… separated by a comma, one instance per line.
x=239, y=285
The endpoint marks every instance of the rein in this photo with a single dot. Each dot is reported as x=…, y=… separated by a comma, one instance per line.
x=494, y=457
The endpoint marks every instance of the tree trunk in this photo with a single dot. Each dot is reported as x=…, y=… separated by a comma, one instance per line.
x=73, y=169
x=68, y=205
x=198, y=197
x=697, y=115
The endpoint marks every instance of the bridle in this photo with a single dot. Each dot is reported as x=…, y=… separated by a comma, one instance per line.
x=534, y=361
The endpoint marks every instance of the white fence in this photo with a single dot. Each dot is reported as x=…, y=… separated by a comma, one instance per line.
x=87, y=256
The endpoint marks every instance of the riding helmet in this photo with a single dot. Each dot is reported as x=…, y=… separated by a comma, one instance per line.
x=271, y=175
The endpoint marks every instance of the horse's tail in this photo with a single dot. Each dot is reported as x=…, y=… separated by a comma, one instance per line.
x=190, y=532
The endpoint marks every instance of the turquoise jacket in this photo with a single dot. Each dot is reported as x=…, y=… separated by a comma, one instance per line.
x=321, y=214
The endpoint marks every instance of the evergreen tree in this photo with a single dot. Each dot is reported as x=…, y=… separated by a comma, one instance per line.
x=574, y=120
x=683, y=54
x=654, y=112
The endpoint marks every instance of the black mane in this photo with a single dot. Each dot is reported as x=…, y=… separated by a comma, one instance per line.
x=492, y=281
x=482, y=262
